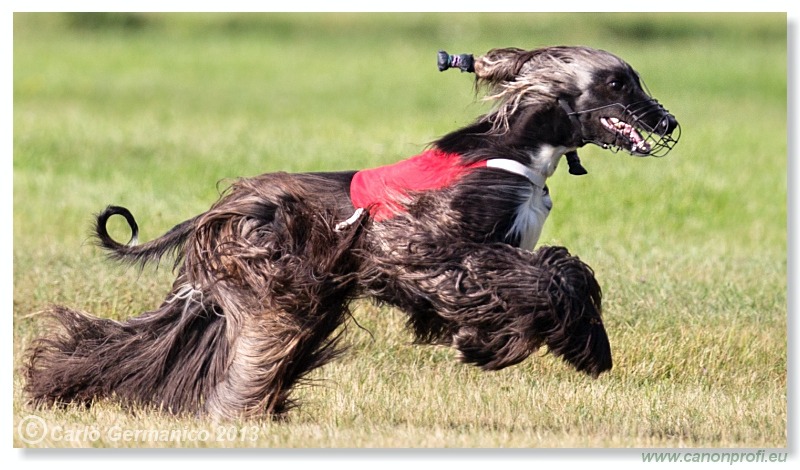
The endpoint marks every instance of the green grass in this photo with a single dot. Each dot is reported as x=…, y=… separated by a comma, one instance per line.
x=151, y=111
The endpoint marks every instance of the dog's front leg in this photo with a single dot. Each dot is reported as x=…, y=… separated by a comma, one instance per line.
x=499, y=303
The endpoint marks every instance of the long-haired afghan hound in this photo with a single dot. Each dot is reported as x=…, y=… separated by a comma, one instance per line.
x=265, y=276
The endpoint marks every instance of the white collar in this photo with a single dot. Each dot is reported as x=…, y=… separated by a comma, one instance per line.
x=513, y=166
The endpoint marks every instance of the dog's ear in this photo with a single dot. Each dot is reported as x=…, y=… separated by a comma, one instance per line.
x=500, y=65
x=547, y=65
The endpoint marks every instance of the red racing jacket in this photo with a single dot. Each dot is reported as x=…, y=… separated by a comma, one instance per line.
x=383, y=190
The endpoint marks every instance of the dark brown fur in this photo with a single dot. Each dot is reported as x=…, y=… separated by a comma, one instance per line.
x=264, y=279
x=264, y=284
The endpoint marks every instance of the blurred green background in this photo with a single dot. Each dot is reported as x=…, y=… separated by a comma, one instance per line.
x=155, y=111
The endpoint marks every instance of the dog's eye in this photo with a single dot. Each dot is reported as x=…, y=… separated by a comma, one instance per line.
x=615, y=85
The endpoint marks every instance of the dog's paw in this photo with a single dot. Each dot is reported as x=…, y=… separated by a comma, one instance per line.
x=490, y=350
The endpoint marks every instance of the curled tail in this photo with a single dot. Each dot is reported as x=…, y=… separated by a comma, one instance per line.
x=168, y=244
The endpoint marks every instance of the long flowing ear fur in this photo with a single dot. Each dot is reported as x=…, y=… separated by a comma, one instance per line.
x=500, y=65
x=535, y=79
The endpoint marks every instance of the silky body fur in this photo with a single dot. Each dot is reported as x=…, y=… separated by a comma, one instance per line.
x=265, y=277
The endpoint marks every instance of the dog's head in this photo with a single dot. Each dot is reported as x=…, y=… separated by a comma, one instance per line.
x=600, y=94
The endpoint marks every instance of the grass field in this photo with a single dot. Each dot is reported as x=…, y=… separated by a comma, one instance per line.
x=151, y=111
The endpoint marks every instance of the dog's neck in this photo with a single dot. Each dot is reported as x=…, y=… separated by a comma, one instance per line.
x=544, y=159
x=537, y=138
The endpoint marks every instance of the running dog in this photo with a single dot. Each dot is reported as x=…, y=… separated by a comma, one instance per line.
x=264, y=278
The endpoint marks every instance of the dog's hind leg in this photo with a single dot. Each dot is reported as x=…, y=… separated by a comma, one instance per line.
x=284, y=278
x=271, y=352
x=190, y=355
x=264, y=284
x=166, y=357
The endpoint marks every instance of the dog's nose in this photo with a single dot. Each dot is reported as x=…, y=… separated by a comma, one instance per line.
x=667, y=124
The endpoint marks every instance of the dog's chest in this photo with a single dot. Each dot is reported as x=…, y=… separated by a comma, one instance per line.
x=529, y=217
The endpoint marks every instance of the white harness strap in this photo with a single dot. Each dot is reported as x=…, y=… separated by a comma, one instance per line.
x=350, y=221
x=518, y=168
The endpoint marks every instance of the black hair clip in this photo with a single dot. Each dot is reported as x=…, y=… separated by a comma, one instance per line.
x=465, y=62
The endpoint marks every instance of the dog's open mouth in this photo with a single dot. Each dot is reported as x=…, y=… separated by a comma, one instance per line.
x=632, y=139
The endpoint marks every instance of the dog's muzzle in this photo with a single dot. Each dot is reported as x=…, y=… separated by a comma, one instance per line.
x=646, y=139
x=643, y=128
